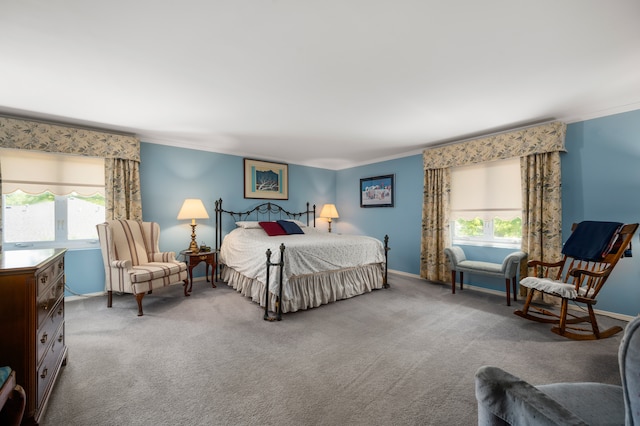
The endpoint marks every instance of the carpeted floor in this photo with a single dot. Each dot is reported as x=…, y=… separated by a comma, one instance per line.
x=400, y=356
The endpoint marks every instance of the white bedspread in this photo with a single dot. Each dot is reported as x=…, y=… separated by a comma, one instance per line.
x=315, y=251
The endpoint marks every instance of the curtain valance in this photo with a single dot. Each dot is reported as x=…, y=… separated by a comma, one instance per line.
x=34, y=135
x=519, y=143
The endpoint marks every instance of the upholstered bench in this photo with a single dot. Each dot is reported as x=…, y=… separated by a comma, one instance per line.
x=507, y=269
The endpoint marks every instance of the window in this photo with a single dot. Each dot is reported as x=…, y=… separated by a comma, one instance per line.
x=486, y=204
x=51, y=200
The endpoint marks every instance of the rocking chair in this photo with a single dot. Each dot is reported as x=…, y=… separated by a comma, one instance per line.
x=589, y=256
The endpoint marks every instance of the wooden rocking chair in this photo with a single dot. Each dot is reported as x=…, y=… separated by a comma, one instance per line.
x=589, y=256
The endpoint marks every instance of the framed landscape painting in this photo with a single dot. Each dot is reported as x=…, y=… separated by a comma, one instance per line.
x=377, y=191
x=266, y=180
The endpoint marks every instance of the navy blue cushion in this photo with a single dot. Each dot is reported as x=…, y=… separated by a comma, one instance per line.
x=290, y=227
x=591, y=240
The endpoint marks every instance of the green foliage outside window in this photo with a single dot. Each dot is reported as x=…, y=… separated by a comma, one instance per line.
x=470, y=228
x=19, y=198
x=507, y=228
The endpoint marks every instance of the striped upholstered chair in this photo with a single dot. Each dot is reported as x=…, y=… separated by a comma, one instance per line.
x=133, y=262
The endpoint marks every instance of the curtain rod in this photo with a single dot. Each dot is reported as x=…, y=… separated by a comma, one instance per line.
x=63, y=124
x=486, y=135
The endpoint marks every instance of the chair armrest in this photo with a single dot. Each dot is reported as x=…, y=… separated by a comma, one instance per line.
x=455, y=255
x=121, y=264
x=576, y=272
x=167, y=256
x=534, y=263
x=503, y=397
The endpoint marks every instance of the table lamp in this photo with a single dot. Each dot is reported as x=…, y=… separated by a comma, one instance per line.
x=329, y=211
x=193, y=209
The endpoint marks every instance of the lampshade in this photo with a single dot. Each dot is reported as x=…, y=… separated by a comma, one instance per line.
x=192, y=208
x=329, y=211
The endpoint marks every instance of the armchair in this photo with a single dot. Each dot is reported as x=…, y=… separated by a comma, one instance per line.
x=133, y=262
x=504, y=399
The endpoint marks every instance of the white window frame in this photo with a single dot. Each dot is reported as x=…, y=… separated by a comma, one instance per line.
x=508, y=208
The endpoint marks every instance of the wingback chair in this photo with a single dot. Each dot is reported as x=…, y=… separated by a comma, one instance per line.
x=504, y=399
x=133, y=262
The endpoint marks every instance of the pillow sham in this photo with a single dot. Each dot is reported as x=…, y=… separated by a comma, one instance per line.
x=248, y=224
x=290, y=227
x=272, y=228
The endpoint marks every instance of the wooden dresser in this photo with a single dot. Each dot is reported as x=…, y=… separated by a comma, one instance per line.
x=32, y=322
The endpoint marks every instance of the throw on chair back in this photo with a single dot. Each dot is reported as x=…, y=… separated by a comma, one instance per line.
x=589, y=256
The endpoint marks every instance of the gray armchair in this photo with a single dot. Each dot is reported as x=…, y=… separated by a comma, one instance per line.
x=507, y=270
x=504, y=399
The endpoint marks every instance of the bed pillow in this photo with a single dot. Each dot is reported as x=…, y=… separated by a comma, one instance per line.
x=272, y=228
x=299, y=223
x=248, y=224
x=290, y=227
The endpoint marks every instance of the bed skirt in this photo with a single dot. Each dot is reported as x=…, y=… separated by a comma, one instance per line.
x=313, y=290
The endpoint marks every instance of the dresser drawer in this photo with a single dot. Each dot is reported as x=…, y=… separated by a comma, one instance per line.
x=49, y=299
x=48, y=328
x=50, y=364
x=48, y=275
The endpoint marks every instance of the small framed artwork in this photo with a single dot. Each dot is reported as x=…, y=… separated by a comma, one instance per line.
x=377, y=191
x=266, y=180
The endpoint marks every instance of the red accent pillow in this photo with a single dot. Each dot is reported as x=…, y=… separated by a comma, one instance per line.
x=273, y=228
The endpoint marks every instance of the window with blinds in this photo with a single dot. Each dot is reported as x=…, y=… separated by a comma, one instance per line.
x=51, y=200
x=486, y=203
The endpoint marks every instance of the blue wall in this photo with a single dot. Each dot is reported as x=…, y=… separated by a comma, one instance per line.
x=600, y=176
x=601, y=181
x=403, y=222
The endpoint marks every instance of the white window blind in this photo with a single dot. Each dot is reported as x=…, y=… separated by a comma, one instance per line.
x=486, y=190
x=35, y=172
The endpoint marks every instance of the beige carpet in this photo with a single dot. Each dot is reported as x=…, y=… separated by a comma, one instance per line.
x=400, y=356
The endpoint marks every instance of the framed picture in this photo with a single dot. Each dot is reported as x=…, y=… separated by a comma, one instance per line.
x=377, y=191
x=266, y=180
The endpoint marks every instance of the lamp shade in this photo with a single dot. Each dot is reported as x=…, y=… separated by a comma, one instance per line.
x=329, y=211
x=192, y=208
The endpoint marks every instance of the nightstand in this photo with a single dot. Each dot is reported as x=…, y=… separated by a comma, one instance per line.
x=193, y=259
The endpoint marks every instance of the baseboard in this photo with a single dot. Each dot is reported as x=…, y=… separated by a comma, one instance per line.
x=77, y=296
x=613, y=315
x=83, y=296
x=406, y=274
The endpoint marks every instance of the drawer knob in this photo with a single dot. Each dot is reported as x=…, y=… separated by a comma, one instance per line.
x=44, y=278
x=45, y=306
x=44, y=338
x=44, y=373
x=60, y=337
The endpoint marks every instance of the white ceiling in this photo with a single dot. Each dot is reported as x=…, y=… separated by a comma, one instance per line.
x=325, y=83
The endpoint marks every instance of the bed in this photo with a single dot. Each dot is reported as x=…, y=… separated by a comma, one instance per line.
x=297, y=271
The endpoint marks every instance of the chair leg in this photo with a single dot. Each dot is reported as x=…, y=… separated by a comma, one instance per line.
x=109, y=298
x=564, y=306
x=139, y=297
x=461, y=280
x=515, y=289
x=508, y=286
x=453, y=282
x=13, y=410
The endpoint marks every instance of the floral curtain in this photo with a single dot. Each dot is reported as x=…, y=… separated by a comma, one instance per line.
x=529, y=141
x=435, y=224
x=123, y=202
x=542, y=208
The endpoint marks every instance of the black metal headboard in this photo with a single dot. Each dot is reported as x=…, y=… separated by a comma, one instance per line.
x=264, y=211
